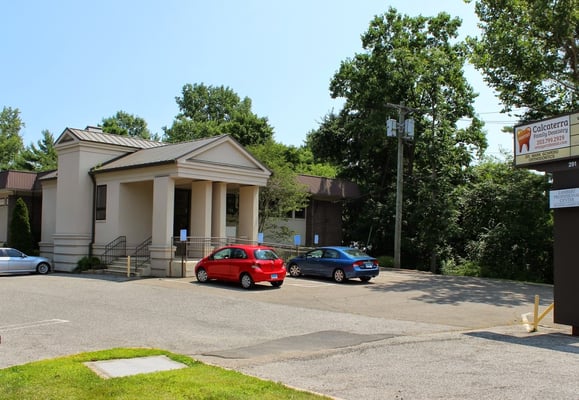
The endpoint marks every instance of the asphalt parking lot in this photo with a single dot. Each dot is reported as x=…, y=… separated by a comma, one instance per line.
x=405, y=335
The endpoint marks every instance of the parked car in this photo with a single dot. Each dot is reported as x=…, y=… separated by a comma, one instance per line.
x=246, y=264
x=338, y=262
x=15, y=261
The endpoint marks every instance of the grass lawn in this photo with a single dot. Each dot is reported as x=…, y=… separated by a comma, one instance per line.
x=69, y=378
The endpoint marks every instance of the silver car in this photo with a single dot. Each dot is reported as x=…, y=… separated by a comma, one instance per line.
x=15, y=261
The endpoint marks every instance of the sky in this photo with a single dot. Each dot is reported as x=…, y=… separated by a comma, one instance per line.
x=70, y=63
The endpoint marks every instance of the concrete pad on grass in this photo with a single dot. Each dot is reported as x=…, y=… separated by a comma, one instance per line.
x=133, y=366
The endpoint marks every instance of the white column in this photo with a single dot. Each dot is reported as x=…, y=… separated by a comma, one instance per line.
x=162, y=247
x=201, y=209
x=248, y=212
x=219, y=210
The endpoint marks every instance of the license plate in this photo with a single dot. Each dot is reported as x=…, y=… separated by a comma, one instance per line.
x=273, y=276
x=369, y=265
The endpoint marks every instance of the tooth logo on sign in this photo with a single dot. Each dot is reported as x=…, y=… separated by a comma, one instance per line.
x=524, y=137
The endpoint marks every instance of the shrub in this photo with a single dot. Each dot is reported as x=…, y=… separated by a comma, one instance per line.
x=20, y=233
x=87, y=263
x=460, y=268
x=386, y=261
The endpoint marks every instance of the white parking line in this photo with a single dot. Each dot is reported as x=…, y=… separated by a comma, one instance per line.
x=35, y=324
x=309, y=284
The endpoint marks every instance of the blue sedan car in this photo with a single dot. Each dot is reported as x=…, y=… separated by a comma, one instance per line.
x=338, y=262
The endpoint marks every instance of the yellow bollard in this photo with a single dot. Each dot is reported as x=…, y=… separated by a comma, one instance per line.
x=128, y=266
x=536, y=314
x=532, y=326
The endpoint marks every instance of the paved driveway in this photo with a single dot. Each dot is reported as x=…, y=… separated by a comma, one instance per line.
x=405, y=335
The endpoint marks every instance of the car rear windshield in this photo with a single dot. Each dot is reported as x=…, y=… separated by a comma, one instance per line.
x=355, y=252
x=265, y=254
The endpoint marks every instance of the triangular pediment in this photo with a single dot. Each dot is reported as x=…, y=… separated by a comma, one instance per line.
x=225, y=152
x=66, y=137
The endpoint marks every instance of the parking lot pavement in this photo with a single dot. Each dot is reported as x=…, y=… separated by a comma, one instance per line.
x=404, y=335
x=461, y=302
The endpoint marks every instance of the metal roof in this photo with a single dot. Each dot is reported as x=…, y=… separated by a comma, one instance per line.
x=97, y=136
x=157, y=155
x=19, y=180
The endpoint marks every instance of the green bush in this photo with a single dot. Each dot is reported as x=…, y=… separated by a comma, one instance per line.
x=386, y=261
x=87, y=263
x=460, y=268
x=20, y=233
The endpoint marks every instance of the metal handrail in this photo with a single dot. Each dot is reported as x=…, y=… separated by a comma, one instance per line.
x=142, y=254
x=198, y=247
x=115, y=249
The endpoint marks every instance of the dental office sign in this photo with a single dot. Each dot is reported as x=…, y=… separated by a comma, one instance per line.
x=548, y=140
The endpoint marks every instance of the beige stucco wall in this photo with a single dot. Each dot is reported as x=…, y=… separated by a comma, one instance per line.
x=48, y=226
x=136, y=201
x=74, y=201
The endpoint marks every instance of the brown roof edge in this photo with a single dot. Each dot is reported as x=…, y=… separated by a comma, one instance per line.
x=331, y=188
x=20, y=180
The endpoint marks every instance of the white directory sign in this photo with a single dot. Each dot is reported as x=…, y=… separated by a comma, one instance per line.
x=564, y=198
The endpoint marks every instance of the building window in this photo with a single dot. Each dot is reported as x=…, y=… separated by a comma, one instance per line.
x=300, y=214
x=232, y=204
x=297, y=214
x=101, y=202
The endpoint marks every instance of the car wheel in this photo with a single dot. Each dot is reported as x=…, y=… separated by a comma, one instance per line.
x=202, y=275
x=43, y=268
x=246, y=281
x=294, y=270
x=365, y=278
x=339, y=276
x=276, y=283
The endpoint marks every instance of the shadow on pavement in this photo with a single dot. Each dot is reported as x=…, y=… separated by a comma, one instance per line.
x=549, y=341
x=453, y=290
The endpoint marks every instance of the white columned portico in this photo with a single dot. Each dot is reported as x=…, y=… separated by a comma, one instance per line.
x=219, y=210
x=161, y=247
x=248, y=212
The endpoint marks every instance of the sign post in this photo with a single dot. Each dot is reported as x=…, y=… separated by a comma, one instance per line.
x=183, y=239
x=552, y=145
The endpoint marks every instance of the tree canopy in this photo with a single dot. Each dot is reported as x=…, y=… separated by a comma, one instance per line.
x=528, y=53
x=207, y=111
x=504, y=224
x=11, y=143
x=417, y=61
x=41, y=158
x=282, y=194
x=125, y=124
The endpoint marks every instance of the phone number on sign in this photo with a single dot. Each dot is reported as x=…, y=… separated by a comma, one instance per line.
x=550, y=141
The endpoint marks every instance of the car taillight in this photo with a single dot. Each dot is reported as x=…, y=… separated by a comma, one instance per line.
x=255, y=266
x=358, y=264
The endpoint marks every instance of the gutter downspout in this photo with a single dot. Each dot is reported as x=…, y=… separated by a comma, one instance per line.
x=92, y=233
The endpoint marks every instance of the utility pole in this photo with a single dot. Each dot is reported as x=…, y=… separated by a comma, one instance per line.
x=404, y=129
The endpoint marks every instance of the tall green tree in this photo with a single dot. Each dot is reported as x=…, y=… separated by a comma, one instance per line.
x=417, y=61
x=39, y=157
x=207, y=111
x=20, y=232
x=282, y=194
x=529, y=52
x=506, y=226
x=125, y=124
x=11, y=143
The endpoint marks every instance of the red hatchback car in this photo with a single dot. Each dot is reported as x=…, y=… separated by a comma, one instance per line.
x=246, y=264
